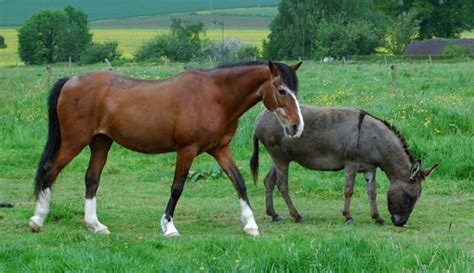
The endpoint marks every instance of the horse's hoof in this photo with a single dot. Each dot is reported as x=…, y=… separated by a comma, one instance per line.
x=172, y=234
x=299, y=220
x=33, y=226
x=104, y=231
x=350, y=221
x=252, y=232
x=380, y=222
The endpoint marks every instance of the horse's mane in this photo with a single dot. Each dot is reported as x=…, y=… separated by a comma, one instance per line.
x=400, y=137
x=288, y=75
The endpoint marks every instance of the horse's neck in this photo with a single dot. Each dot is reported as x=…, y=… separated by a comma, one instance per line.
x=240, y=88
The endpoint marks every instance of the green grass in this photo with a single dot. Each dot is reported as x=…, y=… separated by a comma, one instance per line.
x=433, y=109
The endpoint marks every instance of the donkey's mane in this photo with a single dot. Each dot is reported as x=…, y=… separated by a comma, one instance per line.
x=288, y=75
x=397, y=133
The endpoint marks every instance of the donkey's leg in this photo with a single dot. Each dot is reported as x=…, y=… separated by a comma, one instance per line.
x=372, y=193
x=51, y=170
x=184, y=159
x=224, y=157
x=270, y=182
x=99, y=147
x=350, y=172
x=282, y=183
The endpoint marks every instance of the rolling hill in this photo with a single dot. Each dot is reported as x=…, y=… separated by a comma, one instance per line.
x=14, y=12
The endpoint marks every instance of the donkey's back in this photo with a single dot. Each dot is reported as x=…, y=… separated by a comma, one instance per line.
x=332, y=137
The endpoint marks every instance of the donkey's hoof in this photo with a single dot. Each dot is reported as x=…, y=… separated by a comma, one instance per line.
x=350, y=221
x=104, y=231
x=252, y=231
x=33, y=226
x=380, y=222
x=299, y=220
x=277, y=218
x=172, y=234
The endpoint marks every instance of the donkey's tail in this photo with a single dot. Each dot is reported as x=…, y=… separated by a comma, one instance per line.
x=254, y=160
x=54, y=137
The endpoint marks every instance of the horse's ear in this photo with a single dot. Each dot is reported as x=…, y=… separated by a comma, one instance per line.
x=415, y=168
x=429, y=170
x=274, y=69
x=296, y=66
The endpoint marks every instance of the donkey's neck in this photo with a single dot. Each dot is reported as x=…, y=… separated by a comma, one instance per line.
x=240, y=87
x=395, y=162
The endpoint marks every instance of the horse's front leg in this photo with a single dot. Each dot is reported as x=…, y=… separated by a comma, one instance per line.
x=350, y=172
x=224, y=157
x=184, y=159
x=372, y=194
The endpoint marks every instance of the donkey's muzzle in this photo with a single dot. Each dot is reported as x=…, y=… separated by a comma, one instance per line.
x=399, y=220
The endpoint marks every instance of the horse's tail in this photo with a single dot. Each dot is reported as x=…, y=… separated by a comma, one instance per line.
x=54, y=137
x=254, y=160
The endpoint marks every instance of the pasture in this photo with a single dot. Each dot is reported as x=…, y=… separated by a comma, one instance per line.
x=434, y=109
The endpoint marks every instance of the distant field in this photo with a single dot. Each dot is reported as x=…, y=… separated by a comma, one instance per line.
x=130, y=39
x=13, y=12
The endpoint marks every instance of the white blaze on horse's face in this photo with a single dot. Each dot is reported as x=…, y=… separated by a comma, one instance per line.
x=291, y=128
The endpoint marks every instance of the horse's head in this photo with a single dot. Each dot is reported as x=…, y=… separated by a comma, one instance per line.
x=279, y=96
x=403, y=195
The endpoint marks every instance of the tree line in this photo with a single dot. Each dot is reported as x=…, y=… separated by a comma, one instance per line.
x=302, y=29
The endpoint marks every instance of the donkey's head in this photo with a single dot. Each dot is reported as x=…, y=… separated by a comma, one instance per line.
x=403, y=195
x=279, y=96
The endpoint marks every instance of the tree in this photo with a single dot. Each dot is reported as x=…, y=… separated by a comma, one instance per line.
x=51, y=35
x=294, y=30
x=400, y=32
x=437, y=18
x=76, y=37
x=2, y=42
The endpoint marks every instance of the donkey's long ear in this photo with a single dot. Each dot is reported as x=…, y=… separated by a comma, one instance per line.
x=428, y=171
x=415, y=168
x=296, y=66
x=274, y=69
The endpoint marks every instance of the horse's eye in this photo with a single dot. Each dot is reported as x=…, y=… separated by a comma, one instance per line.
x=282, y=92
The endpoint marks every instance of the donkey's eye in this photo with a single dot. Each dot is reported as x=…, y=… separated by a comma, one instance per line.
x=282, y=92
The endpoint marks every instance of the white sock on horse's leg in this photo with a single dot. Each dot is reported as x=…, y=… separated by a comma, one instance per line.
x=41, y=210
x=250, y=226
x=168, y=227
x=90, y=217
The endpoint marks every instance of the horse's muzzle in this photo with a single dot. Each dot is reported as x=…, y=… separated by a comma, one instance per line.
x=294, y=131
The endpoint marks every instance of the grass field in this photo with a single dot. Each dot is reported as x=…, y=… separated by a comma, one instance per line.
x=434, y=109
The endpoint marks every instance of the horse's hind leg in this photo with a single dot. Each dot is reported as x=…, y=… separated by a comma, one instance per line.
x=282, y=183
x=99, y=147
x=270, y=182
x=350, y=172
x=65, y=154
x=372, y=193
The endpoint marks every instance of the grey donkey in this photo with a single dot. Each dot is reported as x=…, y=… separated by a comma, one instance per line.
x=341, y=138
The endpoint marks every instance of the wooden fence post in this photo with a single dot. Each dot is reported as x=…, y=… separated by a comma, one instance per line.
x=49, y=70
x=394, y=78
x=108, y=64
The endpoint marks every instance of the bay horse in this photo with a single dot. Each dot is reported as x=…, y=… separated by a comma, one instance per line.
x=194, y=112
x=341, y=138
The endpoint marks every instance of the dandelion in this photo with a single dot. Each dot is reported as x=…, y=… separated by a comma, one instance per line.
x=237, y=261
x=201, y=268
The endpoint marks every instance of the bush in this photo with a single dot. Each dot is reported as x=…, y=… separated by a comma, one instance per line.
x=97, y=52
x=455, y=49
x=183, y=44
x=248, y=52
x=231, y=50
x=2, y=42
